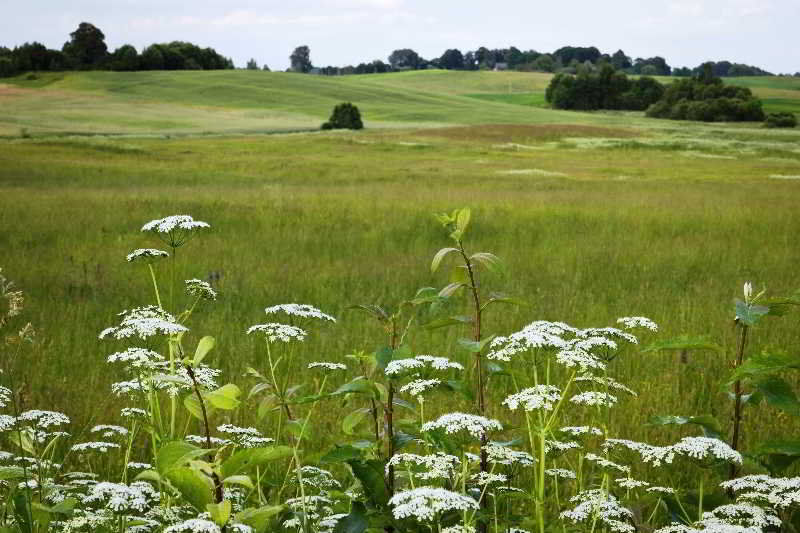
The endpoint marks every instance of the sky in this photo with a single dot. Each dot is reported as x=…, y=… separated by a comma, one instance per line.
x=341, y=32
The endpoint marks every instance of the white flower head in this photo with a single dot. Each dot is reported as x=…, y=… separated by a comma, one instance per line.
x=42, y=419
x=299, y=310
x=435, y=466
x=593, y=398
x=633, y=322
x=97, y=446
x=148, y=254
x=486, y=478
x=418, y=386
x=504, y=455
x=596, y=505
x=244, y=437
x=278, y=332
x=474, y=425
x=542, y=397
x=425, y=504
x=560, y=473
x=144, y=322
x=109, y=431
x=175, y=230
x=194, y=525
x=327, y=366
x=630, y=483
x=701, y=448
x=403, y=366
x=201, y=289
x=439, y=363
x=578, y=431
x=605, y=463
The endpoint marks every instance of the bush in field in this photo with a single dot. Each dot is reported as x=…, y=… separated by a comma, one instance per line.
x=780, y=120
x=344, y=116
x=518, y=436
x=605, y=89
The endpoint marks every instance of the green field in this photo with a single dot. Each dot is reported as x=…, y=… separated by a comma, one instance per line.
x=598, y=215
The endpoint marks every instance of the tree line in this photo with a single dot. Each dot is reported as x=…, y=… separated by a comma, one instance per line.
x=86, y=50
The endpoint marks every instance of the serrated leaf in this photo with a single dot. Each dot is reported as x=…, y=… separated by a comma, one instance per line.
x=370, y=474
x=192, y=404
x=357, y=386
x=148, y=475
x=462, y=220
x=225, y=397
x=448, y=321
x=764, y=363
x=205, y=345
x=780, y=394
x=491, y=262
x=437, y=259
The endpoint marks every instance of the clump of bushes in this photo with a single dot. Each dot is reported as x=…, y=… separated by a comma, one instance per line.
x=344, y=116
x=604, y=89
x=705, y=98
x=781, y=120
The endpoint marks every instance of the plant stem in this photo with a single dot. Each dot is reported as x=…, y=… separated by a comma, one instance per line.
x=217, y=482
x=737, y=392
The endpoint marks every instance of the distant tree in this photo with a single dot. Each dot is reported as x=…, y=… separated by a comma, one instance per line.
x=452, y=60
x=513, y=57
x=604, y=89
x=124, y=58
x=152, y=58
x=344, y=116
x=682, y=71
x=470, y=63
x=300, y=59
x=252, y=65
x=661, y=66
x=649, y=70
x=569, y=53
x=405, y=59
x=781, y=120
x=544, y=63
x=379, y=67
x=86, y=47
x=620, y=61
x=265, y=68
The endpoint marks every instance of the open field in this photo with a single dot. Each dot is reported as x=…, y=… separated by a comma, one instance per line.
x=598, y=216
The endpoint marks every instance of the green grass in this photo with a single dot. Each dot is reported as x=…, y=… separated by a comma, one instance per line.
x=598, y=216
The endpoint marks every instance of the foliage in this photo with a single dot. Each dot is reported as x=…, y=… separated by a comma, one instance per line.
x=300, y=59
x=344, y=116
x=86, y=47
x=780, y=120
x=605, y=89
x=252, y=65
x=404, y=59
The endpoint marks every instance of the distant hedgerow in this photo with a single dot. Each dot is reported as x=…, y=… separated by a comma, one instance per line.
x=781, y=120
x=344, y=116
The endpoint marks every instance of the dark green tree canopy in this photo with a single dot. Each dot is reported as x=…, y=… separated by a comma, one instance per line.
x=344, y=116
x=404, y=59
x=87, y=46
x=300, y=60
x=452, y=59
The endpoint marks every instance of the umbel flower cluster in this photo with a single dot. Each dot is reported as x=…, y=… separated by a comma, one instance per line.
x=315, y=441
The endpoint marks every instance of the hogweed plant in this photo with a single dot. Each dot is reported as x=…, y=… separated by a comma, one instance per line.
x=513, y=435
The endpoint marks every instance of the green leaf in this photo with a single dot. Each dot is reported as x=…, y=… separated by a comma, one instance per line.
x=475, y=346
x=450, y=289
x=220, y=512
x=462, y=221
x=355, y=522
x=370, y=474
x=461, y=387
x=11, y=472
x=192, y=404
x=779, y=455
x=710, y=425
x=779, y=393
x=375, y=311
x=383, y=356
x=23, y=510
x=205, y=345
x=259, y=518
x=764, y=364
x=437, y=259
x=149, y=475
x=342, y=454
x=353, y=419
x=749, y=314
x=491, y=262
x=195, y=487
x=401, y=439
x=357, y=386
x=247, y=460
x=23, y=439
x=225, y=397
x=448, y=321
x=241, y=480
x=176, y=454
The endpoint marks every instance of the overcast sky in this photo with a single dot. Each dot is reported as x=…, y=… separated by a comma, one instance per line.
x=340, y=32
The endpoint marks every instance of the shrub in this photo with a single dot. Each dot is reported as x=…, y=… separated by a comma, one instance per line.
x=605, y=89
x=781, y=120
x=344, y=116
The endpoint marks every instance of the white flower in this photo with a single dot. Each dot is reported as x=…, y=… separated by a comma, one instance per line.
x=43, y=419
x=605, y=463
x=631, y=322
x=401, y=366
x=556, y=446
x=144, y=322
x=661, y=490
x=146, y=253
x=611, y=383
x=5, y=396
x=741, y=514
x=133, y=412
x=327, y=366
x=301, y=310
x=96, y=446
x=654, y=455
x=201, y=289
x=539, y=334
x=703, y=447
x=571, y=357
x=560, y=472
x=594, y=505
x=426, y=503
x=539, y=397
x=503, y=455
x=486, y=478
x=175, y=230
x=6, y=422
x=630, y=483
x=594, y=398
x=137, y=358
x=459, y=529
x=474, y=425
x=244, y=437
x=122, y=498
x=200, y=439
x=439, y=363
x=418, y=386
x=437, y=466
x=779, y=493
x=748, y=291
x=194, y=525
x=319, y=478
x=577, y=431
x=138, y=466
x=278, y=332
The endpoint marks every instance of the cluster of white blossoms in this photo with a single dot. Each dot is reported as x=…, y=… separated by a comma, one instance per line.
x=133, y=412
x=630, y=483
x=327, y=365
x=579, y=431
x=299, y=310
x=702, y=448
x=400, y=367
x=597, y=505
x=504, y=455
x=194, y=525
x=200, y=289
x=403, y=366
x=439, y=363
x=560, y=473
x=543, y=397
x=319, y=479
x=5, y=396
x=244, y=437
x=435, y=466
x=146, y=253
x=553, y=446
x=593, y=398
x=425, y=504
x=633, y=322
x=274, y=331
x=742, y=514
x=98, y=446
x=40, y=419
x=144, y=322
x=781, y=492
x=122, y=498
x=605, y=381
x=137, y=359
x=474, y=425
x=418, y=386
x=606, y=463
x=487, y=478
x=173, y=222
x=539, y=334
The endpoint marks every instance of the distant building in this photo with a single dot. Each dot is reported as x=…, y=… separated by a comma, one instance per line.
x=500, y=66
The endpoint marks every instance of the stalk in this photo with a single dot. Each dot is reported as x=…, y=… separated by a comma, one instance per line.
x=737, y=406
x=214, y=476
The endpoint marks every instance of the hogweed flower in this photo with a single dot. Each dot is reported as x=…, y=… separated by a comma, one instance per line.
x=474, y=425
x=144, y=322
x=327, y=366
x=402, y=366
x=611, y=383
x=201, y=289
x=194, y=525
x=5, y=396
x=560, y=473
x=425, y=504
x=42, y=419
x=175, y=230
x=98, y=446
x=595, y=504
x=593, y=398
x=487, y=478
x=418, y=386
x=503, y=455
x=244, y=437
x=605, y=463
x=299, y=310
x=632, y=322
x=578, y=431
x=274, y=331
x=110, y=430
x=437, y=466
x=701, y=448
x=543, y=397
x=148, y=254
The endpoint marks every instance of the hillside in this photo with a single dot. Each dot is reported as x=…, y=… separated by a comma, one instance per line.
x=200, y=102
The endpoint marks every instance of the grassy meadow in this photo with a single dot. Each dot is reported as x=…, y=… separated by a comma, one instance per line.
x=598, y=215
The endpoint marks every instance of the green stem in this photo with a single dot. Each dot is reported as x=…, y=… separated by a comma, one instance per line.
x=155, y=284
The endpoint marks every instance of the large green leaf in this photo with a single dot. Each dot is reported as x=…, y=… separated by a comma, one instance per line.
x=247, y=460
x=258, y=518
x=710, y=425
x=350, y=421
x=342, y=454
x=220, y=512
x=225, y=397
x=451, y=289
x=355, y=522
x=176, y=454
x=11, y=472
x=448, y=321
x=763, y=364
x=383, y=356
x=475, y=346
x=196, y=488
x=780, y=394
x=370, y=474
x=437, y=259
x=491, y=262
x=205, y=345
x=750, y=314
x=778, y=456
x=357, y=386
